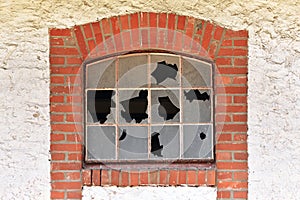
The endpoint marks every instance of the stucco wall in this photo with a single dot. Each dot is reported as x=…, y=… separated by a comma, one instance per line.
x=274, y=85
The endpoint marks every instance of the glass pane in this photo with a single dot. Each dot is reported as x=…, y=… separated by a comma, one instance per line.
x=133, y=142
x=196, y=73
x=196, y=106
x=101, y=142
x=101, y=74
x=133, y=106
x=101, y=106
x=165, y=106
x=133, y=72
x=197, y=141
x=165, y=142
x=164, y=71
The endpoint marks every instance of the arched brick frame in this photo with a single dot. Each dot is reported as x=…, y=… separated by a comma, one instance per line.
x=227, y=48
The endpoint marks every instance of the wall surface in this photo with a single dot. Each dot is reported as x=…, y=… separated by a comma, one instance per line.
x=274, y=85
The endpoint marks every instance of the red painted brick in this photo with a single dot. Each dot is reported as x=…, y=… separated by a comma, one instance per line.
x=182, y=177
x=144, y=19
x=232, y=165
x=191, y=177
x=134, y=178
x=124, y=22
x=162, y=20
x=66, y=185
x=134, y=21
x=163, y=177
x=173, y=177
x=105, y=177
x=57, y=156
x=211, y=177
x=201, y=177
x=86, y=177
x=57, y=195
x=60, y=32
x=153, y=19
x=74, y=195
x=96, y=181
x=223, y=156
x=171, y=21
x=181, y=22
x=57, y=176
x=87, y=31
x=66, y=147
x=144, y=178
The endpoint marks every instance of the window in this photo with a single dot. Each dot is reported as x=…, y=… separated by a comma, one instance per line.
x=149, y=107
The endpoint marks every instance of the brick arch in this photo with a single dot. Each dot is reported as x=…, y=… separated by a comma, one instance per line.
x=69, y=48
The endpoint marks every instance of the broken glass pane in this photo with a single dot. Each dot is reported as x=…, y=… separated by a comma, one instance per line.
x=133, y=106
x=101, y=142
x=101, y=74
x=133, y=142
x=196, y=73
x=101, y=106
x=197, y=141
x=196, y=106
x=164, y=71
x=167, y=138
x=133, y=72
x=165, y=106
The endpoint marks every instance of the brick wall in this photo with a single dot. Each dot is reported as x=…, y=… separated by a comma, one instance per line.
x=69, y=48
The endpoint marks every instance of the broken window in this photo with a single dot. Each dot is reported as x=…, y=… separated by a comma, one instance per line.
x=149, y=106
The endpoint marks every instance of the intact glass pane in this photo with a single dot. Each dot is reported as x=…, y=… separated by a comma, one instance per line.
x=133, y=142
x=165, y=142
x=196, y=73
x=101, y=142
x=197, y=141
x=101, y=74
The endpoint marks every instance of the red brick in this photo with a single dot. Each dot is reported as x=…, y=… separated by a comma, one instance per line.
x=105, y=177
x=57, y=156
x=240, y=118
x=201, y=177
x=57, y=137
x=135, y=36
x=223, y=80
x=65, y=147
x=240, y=156
x=80, y=41
x=173, y=177
x=207, y=35
x=232, y=165
x=162, y=20
x=240, y=61
x=144, y=19
x=218, y=33
x=241, y=176
x=97, y=32
x=75, y=156
x=240, y=99
x=74, y=138
x=125, y=36
x=64, y=108
x=226, y=43
x=115, y=25
x=87, y=31
x=124, y=179
x=57, y=60
x=153, y=177
x=181, y=22
x=199, y=26
x=65, y=166
x=56, y=42
x=124, y=22
x=223, y=194
x=224, y=176
x=56, y=118
x=74, y=195
x=74, y=118
x=134, y=21
x=86, y=177
x=223, y=118
x=211, y=177
x=240, y=137
x=145, y=38
x=240, y=194
x=57, y=195
x=134, y=178
x=232, y=185
x=231, y=109
x=163, y=177
x=171, y=21
x=232, y=90
x=65, y=70
x=191, y=177
x=224, y=99
x=236, y=34
x=91, y=45
x=223, y=61
x=57, y=176
x=240, y=80
x=241, y=43
x=144, y=178
x=232, y=52
x=153, y=19
x=189, y=30
x=63, y=51
x=74, y=99
x=96, y=180
x=57, y=80
x=182, y=177
x=115, y=177
x=223, y=156
x=60, y=32
x=66, y=185
x=73, y=175
x=106, y=26
x=178, y=44
x=232, y=147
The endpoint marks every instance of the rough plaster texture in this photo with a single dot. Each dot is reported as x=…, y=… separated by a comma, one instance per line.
x=149, y=193
x=274, y=85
